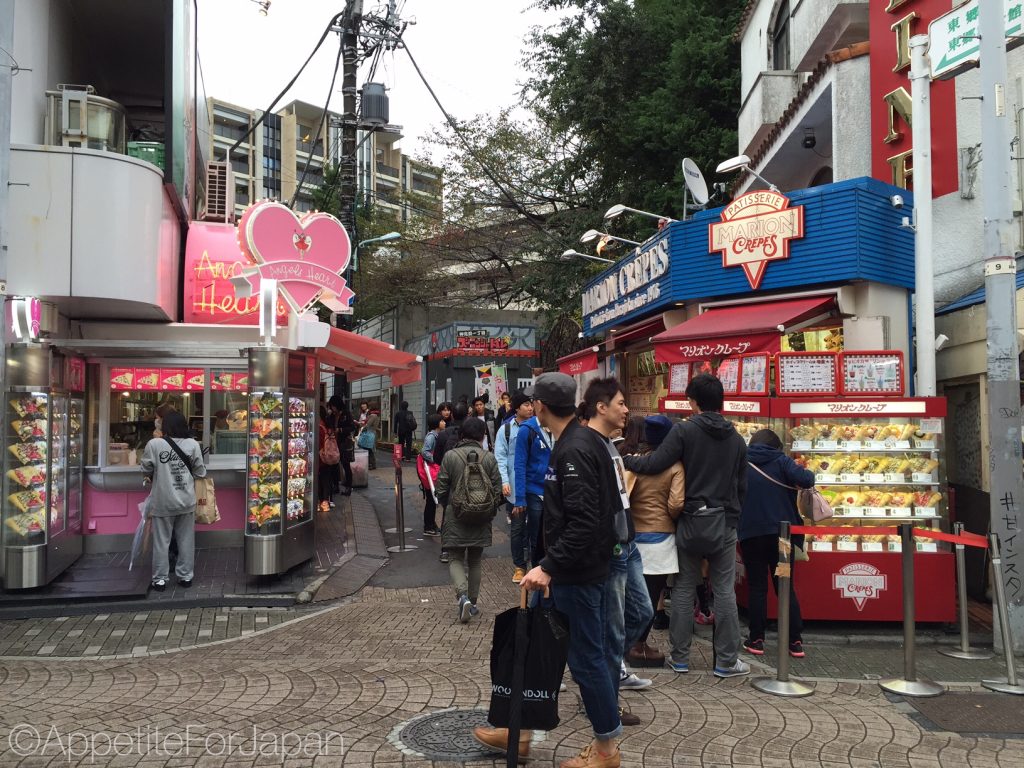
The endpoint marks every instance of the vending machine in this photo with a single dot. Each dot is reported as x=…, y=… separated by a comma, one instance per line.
x=43, y=465
x=281, y=458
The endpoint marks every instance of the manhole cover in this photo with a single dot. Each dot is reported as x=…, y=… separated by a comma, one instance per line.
x=445, y=735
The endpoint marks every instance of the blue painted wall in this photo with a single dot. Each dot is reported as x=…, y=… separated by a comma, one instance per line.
x=851, y=232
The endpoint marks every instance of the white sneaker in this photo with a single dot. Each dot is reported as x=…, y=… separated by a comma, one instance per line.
x=463, y=609
x=737, y=669
x=631, y=682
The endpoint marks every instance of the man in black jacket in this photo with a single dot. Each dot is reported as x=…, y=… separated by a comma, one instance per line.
x=405, y=426
x=581, y=497
x=715, y=459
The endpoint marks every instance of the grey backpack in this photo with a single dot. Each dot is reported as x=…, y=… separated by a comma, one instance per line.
x=474, y=502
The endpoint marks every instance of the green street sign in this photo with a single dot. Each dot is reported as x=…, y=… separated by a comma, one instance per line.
x=953, y=42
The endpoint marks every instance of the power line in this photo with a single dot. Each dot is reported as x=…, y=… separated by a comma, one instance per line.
x=323, y=123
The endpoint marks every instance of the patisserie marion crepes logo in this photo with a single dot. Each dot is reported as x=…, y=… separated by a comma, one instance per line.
x=860, y=582
x=755, y=229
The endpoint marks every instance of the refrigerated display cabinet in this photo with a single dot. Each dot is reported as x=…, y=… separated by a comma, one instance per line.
x=42, y=470
x=281, y=455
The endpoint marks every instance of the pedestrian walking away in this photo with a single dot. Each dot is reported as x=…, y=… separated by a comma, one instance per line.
x=581, y=498
x=405, y=427
x=772, y=482
x=469, y=485
x=427, y=469
x=504, y=451
x=172, y=463
x=449, y=438
x=714, y=457
x=655, y=503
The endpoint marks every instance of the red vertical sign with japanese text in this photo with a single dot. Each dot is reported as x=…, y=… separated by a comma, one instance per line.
x=892, y=24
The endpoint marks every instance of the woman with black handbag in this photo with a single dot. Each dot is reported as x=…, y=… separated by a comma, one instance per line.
x=172, y=463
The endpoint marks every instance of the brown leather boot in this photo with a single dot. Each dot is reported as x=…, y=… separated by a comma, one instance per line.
x=497, y=739
x=643, y=655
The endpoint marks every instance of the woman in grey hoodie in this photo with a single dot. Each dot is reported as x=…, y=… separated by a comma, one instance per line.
x=172, y=501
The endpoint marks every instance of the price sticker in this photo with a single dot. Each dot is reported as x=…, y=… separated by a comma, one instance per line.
x=821, y=546
x=801, y=445
x=922, y=477
x=846, y=546
x=850, y=445
x=871, y=546
x=825, y=479
x=895, y=477
x=874, y=512
x=827, y=445
x=847, y=477
x=874, y=477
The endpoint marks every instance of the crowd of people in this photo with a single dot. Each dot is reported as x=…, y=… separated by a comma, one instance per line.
x=623, y=523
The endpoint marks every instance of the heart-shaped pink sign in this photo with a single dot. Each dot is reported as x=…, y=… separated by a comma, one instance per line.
x=305, y=255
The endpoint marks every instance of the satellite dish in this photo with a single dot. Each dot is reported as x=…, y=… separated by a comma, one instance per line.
x=695, y=181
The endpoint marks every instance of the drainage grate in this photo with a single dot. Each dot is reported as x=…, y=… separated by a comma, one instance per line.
x=445, y=735
x=974, y=713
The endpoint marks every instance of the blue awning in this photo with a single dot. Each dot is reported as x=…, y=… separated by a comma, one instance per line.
x=974, y=297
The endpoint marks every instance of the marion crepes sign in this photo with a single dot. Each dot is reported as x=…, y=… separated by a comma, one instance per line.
x=755, y=229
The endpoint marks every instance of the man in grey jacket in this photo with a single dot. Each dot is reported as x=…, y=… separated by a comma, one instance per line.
x=172, y=500
x=714, y=458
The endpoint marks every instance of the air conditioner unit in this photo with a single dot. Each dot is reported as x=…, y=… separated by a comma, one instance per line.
x=220, y=192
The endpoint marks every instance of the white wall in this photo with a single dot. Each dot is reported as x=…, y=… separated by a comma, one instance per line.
x=851, y=119
x=42, y=43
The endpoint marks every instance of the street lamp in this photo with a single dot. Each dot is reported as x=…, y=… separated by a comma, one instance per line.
x=617, y=210
x=742, y=163
x=592, y=234
x=569, y=254
x=382, y=239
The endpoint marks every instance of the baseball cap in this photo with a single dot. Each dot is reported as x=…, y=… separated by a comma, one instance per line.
x=555, y=389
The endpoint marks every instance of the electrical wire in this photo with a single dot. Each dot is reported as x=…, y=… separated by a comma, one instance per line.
x=281, y=95
x=323, y=123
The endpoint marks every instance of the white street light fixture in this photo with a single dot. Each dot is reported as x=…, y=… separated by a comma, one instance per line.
x=742, y=163
x=576, y=254
x=592, y=234
x=382, y=239
x=617, y=210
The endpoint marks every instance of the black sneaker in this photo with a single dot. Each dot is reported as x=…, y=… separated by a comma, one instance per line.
x=660, y=620
x=445, y=557
x=796, y=649
x=431, y=531
x=186, y=583
x=755, y=647
x=159, y=585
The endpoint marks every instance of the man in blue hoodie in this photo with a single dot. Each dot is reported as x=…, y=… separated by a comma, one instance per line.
x=533, y=451
x=521, y=407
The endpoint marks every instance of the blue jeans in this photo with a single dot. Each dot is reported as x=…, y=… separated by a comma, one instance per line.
x=518, y=536
x=628, y=609
x=525, y=533
x=583, y=605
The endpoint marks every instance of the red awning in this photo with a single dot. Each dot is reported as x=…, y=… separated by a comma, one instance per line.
x=736, y=330
x=579, y=362
x=360, y=356
x=642, y=330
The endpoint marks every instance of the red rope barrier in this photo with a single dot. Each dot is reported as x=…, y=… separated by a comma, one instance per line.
x=967, y=539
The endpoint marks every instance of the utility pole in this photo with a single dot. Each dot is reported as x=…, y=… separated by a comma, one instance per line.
x=347, y=164
x=924, y=281
x=1006, y=490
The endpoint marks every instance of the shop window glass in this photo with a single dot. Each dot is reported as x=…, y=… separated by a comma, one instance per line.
x=228, y=389
x=646, y=383
x=780, y=38
x=133, y=419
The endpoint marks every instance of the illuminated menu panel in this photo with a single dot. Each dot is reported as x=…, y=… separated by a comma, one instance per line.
x=806, y=373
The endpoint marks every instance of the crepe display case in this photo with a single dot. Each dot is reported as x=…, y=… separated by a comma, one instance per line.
x=879, y=463
x=42, y=470
x=280, y=461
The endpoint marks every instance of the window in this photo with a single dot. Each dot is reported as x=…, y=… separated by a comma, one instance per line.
x=780, y=38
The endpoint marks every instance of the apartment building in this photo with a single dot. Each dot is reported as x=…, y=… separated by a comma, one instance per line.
x=272, y=162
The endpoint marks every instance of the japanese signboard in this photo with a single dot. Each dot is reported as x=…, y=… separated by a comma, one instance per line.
x=755, y=229
x=954, y=44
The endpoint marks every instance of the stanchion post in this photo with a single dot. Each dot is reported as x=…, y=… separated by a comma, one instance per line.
x=1008, y=684
x=964, y=651
x=909, y=685
x=781, y=685
x=399, y=528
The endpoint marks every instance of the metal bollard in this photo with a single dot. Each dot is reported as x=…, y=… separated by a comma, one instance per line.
x=909, y=685
x=781, y=685
x=964, y=651
x=399, y=528
x=1008, y=684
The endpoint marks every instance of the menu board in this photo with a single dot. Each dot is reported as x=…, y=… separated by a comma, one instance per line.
x=872, y=373
x=122, y=378
x=195, y=379
x=806, y=373
x=729, y=375
x=147, y=378
x=679, y=378
x=172, y=378
x=754, y=375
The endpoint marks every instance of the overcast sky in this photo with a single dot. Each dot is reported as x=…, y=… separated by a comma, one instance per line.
x=469, y=51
